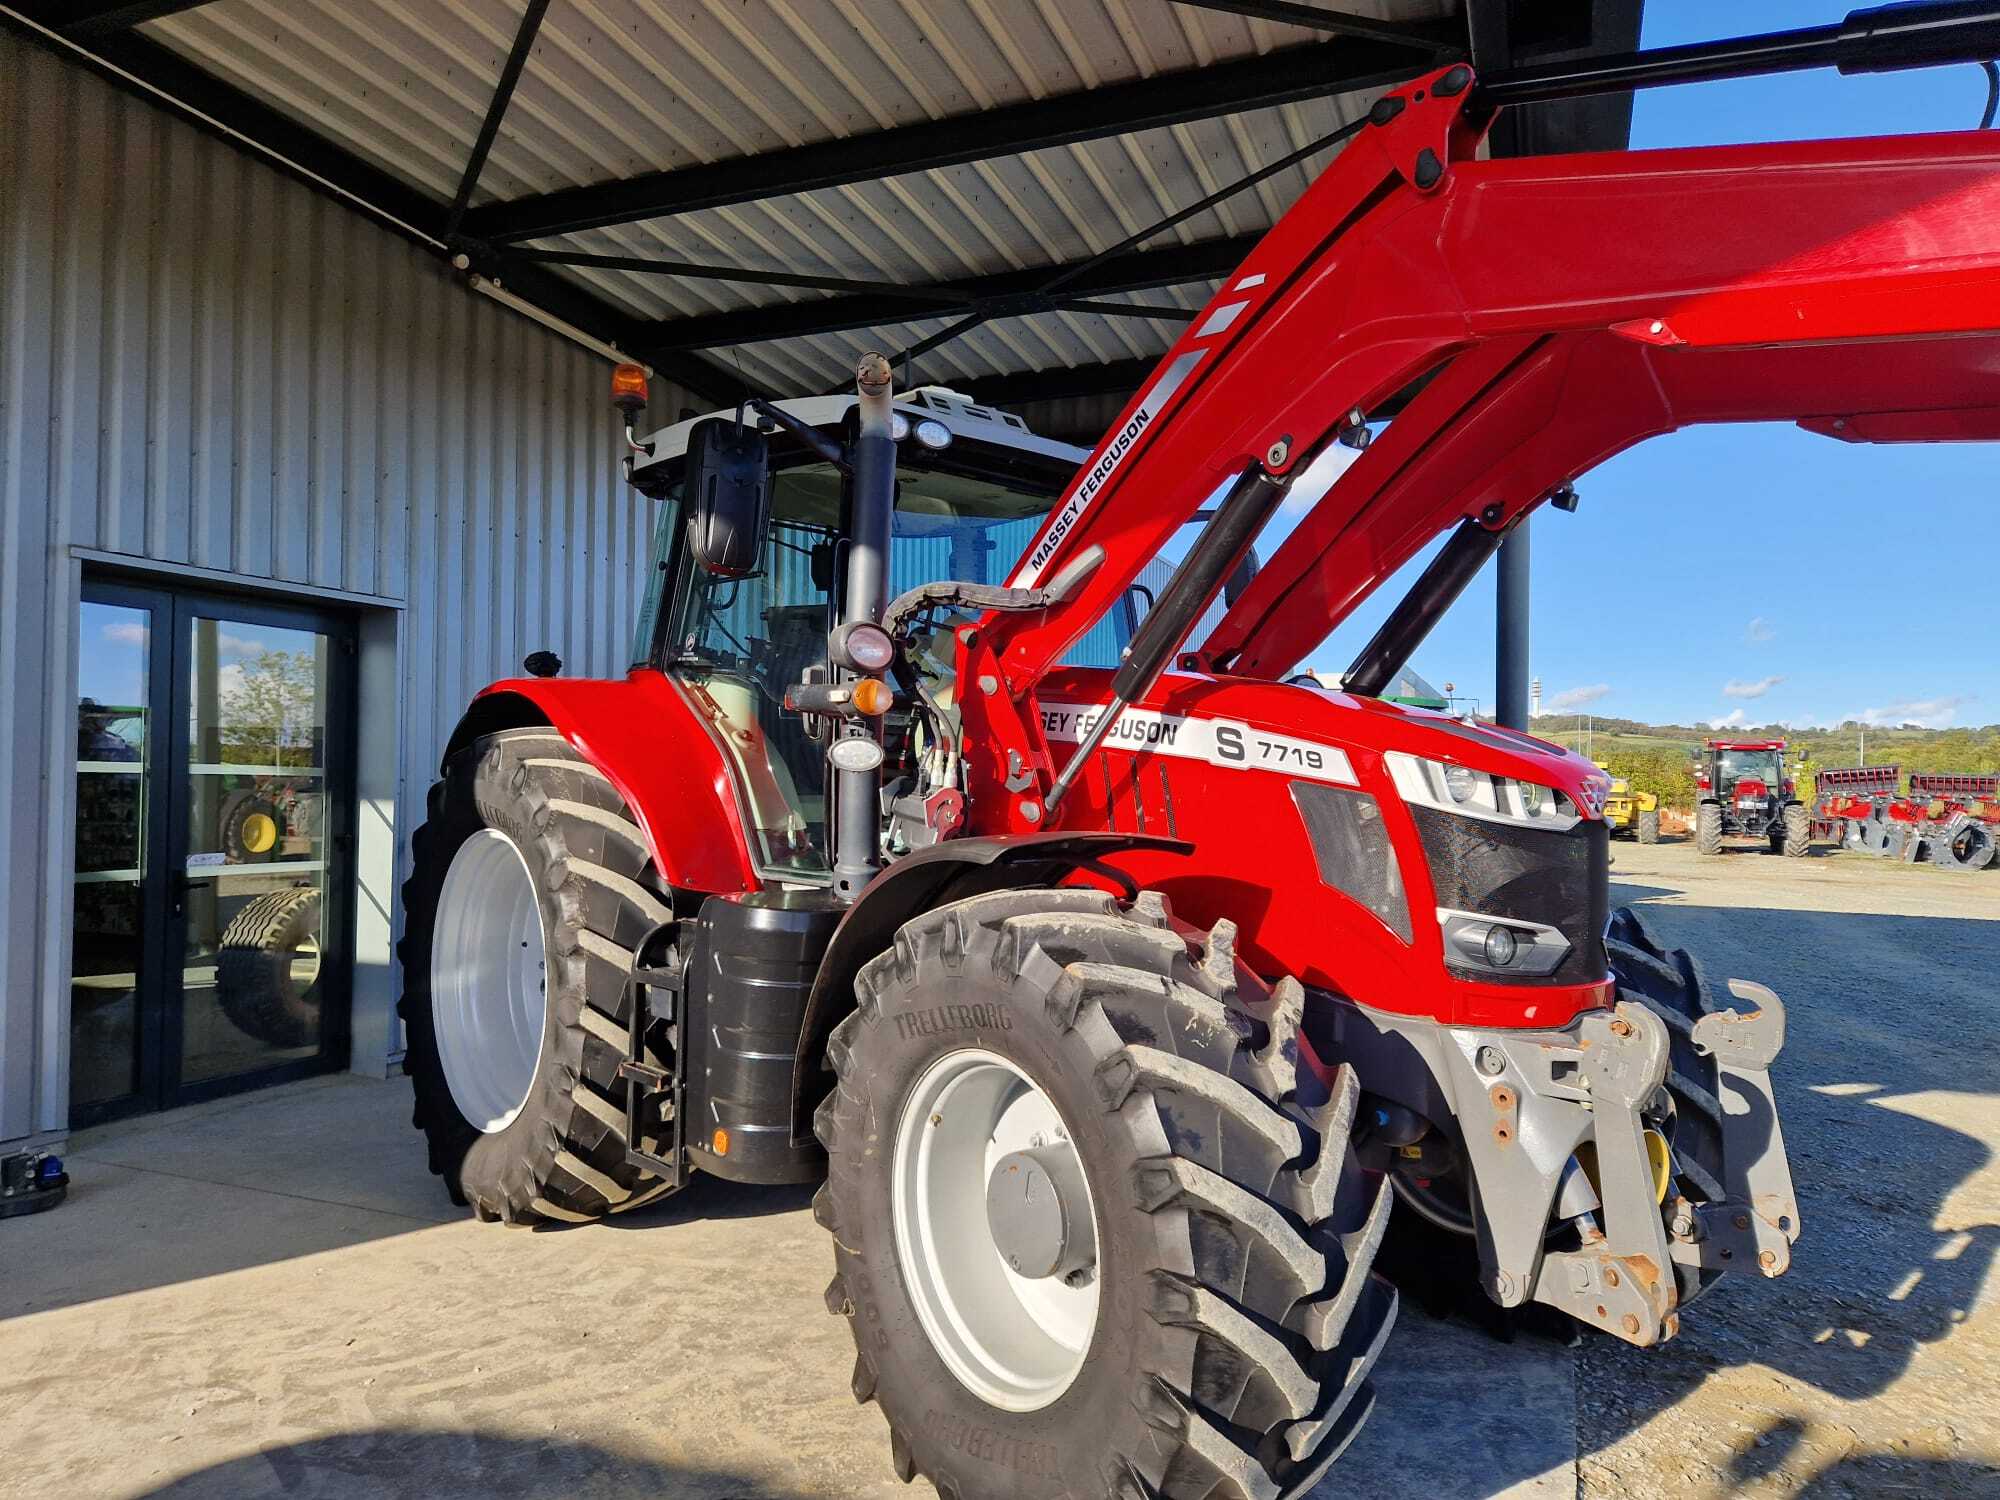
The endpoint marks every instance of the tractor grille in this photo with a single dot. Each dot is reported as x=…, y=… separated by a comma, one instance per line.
x=1529, y=874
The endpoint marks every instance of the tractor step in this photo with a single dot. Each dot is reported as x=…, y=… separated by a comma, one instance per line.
x=652, y=993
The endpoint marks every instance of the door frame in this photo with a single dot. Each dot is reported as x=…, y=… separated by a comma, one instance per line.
x=161, y=1001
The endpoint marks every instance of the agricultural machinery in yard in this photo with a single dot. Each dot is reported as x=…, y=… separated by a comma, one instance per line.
x=1116, y=988
x=1743, y=791
x=1951, y=820
x=1629, y=813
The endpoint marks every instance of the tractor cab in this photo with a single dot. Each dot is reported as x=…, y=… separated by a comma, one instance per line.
x=972, y=486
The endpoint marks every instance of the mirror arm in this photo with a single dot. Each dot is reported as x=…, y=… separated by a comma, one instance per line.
x=812, y=437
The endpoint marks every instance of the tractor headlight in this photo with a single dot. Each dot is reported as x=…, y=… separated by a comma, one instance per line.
x=1454, y=788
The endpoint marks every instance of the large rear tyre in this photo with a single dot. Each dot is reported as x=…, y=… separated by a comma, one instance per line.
x=1672, y=984
x=1963, y=844
x=532, y=890
x=1708, y=829
x=1797, y=834
x=1649, y=827
x=268, y=968
x=1205, y=1317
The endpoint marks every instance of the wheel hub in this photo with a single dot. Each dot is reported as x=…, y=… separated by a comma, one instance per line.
x=489, y=957
x=1038, y=1210
x=995, y=1229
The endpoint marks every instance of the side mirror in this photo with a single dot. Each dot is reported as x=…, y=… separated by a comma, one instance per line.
x=728, y=492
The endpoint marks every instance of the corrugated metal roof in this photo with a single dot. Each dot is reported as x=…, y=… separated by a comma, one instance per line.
x=617, y=88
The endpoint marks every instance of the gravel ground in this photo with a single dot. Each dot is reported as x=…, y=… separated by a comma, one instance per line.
x=1873, y=1368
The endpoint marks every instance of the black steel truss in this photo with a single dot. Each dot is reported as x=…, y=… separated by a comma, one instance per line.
x=1372, y=53
x=1441, y=38
x=1286, y=76
x=1005, y=294
x=93, y=18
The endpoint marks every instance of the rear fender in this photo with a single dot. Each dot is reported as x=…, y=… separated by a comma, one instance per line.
x=920, y=882
x=640, y=732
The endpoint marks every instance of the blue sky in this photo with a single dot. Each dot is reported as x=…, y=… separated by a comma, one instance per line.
x=1877, y=591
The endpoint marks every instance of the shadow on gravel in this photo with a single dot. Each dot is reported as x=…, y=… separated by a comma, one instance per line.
x=427, y=1464
x=1890, y=1051
x=1826, y=1465
x=1890, y=1056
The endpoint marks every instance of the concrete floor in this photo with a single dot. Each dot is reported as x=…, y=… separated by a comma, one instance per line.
x=269, y=1295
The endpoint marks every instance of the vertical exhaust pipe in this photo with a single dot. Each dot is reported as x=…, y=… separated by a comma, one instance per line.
x=857, y=834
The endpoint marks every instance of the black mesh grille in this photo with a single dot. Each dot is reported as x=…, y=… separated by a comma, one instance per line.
x=1530, y=874
x=1353, y=851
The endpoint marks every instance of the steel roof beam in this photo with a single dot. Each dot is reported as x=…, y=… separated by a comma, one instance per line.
x=166, y=80
x=81, y=18
x=1285, y=76
x=1114, y=377
x=1140, y=271
x=496, y=111
x=1433, y=37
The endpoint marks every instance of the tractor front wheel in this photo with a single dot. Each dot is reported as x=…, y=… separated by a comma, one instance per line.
x=532, y=890
x=1649, y=827
x=1093, y=1233
x=1797, y=836
x=1708, y=829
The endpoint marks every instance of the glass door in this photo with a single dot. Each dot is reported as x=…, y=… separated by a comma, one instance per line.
x=221, y=843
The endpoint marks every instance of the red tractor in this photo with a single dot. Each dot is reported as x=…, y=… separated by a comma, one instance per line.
x=1117, y=988
x=1743, y=791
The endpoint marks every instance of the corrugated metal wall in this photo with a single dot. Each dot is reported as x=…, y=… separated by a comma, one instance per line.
x=204, y=363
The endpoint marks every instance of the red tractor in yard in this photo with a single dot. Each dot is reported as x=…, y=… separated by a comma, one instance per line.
x=1744, y=791
x=1116, y=988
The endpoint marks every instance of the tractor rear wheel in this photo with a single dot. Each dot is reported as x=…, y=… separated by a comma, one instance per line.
x=1797, y=836
x=1649, y=827
x=1708, y=829
x=1093, y=1232
x=1670, y=983
x=533, y=888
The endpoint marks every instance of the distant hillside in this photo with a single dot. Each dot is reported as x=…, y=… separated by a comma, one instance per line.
x=1660, y=758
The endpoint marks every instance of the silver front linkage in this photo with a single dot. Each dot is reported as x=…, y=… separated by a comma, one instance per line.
x=1533, y=1106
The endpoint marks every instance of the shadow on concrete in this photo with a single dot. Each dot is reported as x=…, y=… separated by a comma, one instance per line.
x=707, y=1197
x=444, y=1465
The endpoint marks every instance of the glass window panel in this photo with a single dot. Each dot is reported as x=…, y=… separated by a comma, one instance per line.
x=112, y=781
x=256, y=846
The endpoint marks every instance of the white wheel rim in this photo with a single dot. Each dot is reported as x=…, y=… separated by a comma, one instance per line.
x=489, y=958
x=1015, y=1342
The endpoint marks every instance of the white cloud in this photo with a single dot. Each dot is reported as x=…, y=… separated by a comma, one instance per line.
x=1571, y=699
x=240, y=645
x=1759, y=629
x=1928, y=713
x=1734, y=719
x=1737, y=688
x=126, y=633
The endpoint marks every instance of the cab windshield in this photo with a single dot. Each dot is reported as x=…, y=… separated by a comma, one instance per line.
x=1752, y=765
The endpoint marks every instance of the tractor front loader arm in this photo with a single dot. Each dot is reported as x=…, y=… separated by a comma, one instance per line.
x=1531, y=317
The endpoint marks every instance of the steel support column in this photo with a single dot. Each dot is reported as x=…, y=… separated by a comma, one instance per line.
x=1510, y=633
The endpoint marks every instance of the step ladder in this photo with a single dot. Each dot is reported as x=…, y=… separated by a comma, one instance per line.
x=656, y=992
